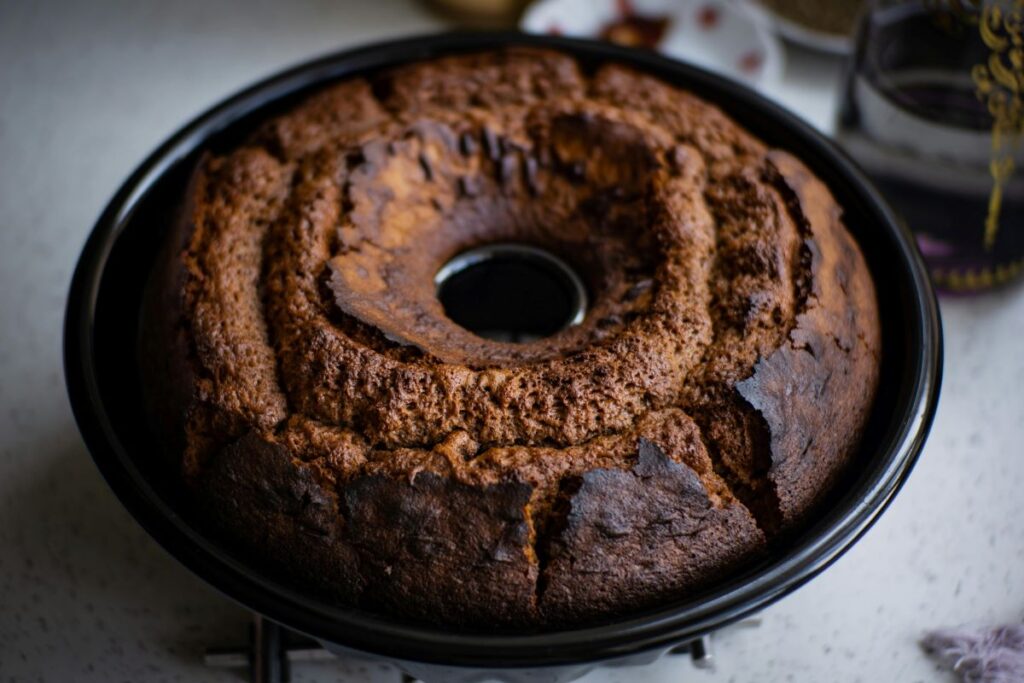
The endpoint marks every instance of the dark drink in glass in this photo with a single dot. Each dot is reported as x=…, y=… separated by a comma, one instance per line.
x=933, y=112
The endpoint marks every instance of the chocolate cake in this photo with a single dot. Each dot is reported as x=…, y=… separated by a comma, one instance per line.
x=337, y=427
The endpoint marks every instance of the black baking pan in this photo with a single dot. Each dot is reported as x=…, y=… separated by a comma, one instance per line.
x=103, y=383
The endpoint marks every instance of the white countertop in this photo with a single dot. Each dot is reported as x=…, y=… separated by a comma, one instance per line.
x=88, y=89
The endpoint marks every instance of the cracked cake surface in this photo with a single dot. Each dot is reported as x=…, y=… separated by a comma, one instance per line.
x=338, y=428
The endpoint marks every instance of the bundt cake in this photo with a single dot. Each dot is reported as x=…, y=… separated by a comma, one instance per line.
x=337, y=427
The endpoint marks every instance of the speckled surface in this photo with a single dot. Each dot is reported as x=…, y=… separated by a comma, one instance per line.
x=87, y=89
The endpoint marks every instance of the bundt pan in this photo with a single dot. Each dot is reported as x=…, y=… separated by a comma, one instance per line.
x=102, y=329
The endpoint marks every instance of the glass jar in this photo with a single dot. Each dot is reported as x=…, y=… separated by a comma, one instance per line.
x=933, y=111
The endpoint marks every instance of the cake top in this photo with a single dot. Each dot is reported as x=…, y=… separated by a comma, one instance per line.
x=717, y=269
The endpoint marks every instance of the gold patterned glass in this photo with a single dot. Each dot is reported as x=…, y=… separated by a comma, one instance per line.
x=934, y=112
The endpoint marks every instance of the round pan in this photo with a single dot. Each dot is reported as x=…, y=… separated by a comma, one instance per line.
x=101, y=328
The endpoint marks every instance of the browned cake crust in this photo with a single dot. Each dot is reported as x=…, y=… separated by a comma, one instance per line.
x=334, y=422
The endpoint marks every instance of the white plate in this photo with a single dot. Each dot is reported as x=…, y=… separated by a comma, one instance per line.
x=794, y=32
x=714, y=34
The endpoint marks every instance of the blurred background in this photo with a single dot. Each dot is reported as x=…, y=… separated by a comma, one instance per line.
x=927, y=101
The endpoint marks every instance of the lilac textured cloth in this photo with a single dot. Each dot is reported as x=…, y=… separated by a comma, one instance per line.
x=989, y=656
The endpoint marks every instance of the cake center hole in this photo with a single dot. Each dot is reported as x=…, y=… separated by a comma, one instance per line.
x=511, y=292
